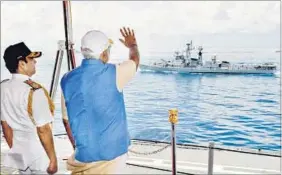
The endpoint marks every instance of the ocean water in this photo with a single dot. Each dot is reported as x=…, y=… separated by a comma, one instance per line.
x=241, y=111
x=231, y=110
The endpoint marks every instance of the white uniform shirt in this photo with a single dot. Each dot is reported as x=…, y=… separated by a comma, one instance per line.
x=14, y=101
x=125, y=71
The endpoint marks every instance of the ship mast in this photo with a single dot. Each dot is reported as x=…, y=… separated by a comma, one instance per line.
x=60, y=52
x=200, y=54
x=188, y=51
x=69, y=35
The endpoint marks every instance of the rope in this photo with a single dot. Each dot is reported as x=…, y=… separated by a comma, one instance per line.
x=149, y=153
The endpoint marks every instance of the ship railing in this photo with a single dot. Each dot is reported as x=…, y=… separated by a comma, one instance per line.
x=173, y=119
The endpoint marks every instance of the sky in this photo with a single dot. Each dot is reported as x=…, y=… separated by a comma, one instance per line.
x=160, y=26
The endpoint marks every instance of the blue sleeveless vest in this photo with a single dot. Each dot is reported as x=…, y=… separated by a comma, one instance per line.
x=96, y=111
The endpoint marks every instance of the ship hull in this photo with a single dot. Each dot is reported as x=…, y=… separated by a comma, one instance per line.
x=204, y=70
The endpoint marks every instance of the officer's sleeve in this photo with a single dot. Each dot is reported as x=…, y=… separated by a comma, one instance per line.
x=124, y=73
x=63, y=107
x=40, y=108
x=2, y=115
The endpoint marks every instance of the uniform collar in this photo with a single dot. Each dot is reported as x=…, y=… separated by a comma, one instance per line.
x=20, y=76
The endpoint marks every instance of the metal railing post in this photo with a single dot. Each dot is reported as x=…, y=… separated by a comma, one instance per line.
x=211, y=157
x=173, y=118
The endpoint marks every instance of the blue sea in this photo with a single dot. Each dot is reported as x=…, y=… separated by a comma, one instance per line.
x=241, y=111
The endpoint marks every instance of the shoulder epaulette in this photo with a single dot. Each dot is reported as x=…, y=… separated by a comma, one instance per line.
x=3, y=81
x=33, y=84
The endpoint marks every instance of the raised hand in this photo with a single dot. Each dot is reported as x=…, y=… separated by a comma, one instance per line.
x=129, y=37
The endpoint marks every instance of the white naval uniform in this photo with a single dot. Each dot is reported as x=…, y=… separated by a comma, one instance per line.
x=27, y=153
